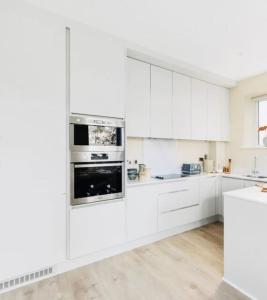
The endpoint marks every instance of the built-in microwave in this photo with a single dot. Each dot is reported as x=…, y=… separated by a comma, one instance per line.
x=94, y=134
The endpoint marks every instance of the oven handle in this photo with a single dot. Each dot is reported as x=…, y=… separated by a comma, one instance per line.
x=97, y=165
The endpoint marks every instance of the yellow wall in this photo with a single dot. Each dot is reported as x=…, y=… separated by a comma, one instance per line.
x=242, y=147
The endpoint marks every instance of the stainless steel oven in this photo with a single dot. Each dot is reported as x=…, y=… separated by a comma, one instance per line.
x=89, y=133
x=94, y=182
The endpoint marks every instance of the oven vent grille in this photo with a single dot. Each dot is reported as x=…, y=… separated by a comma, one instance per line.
x=20, y=280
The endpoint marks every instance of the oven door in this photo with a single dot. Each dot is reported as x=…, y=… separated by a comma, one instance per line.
x=96, y=182
x=91, y=137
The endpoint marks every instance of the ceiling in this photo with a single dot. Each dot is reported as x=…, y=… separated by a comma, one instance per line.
x=225, y=37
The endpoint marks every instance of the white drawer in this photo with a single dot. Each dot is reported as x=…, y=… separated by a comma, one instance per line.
x=181, y=195
x=178, y=218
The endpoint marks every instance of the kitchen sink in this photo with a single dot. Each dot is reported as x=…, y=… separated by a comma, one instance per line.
x=256, y=176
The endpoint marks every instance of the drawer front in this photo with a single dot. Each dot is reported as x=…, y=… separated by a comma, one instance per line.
x=179, y=196
x=178, y=218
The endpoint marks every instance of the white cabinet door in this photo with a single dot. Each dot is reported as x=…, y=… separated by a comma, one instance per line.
x=225, y=115
x=207, y=196
x=141, y=211
x=199, y=110
x=97, y=73
x=32, y=140
x=214, y=112
x=96, y=227
x=161, y=103
x=230, y=184
x=181, y=107
x=138, y=99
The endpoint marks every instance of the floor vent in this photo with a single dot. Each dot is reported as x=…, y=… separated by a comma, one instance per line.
x=14, y=282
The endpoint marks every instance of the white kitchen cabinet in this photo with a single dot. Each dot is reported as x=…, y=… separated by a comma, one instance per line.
x=225, y=115
x=199, y=110
x=32, y=140
x=138, y=99
x=161, y=103
x=141, y=211
x=96, y=227
x=218, y=113
x=97, y=73
x=207, y=191
x=230, y=184
x=178, y=203
x=181, y=110
x=214, y=112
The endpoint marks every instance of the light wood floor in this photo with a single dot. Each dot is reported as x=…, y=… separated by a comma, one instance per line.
x=185, y=266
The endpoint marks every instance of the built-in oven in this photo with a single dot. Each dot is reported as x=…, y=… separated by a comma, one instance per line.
x=96, y=176
x=88, y=133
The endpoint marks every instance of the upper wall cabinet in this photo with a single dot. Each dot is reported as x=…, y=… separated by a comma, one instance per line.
x=214, y=113
x=165, y=104
x=161, y=103
x=218, y=113
x=138, y=99
x=199, y=110
x=97, y=73
x=182, y=127
x=225, y=115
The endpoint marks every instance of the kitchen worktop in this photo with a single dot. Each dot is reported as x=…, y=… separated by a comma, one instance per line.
x=249, y=194
x=240, y=176
x=159, y=181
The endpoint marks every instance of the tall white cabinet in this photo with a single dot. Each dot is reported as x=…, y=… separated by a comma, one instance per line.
x=138, y=98
x=98, y=71
x=32, y=140
x=182, y=106
x=161, y=103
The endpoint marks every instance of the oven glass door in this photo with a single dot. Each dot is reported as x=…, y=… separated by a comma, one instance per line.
x=94, y=135
x=97, y=182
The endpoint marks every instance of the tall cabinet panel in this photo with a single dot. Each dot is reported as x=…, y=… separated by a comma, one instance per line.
x=182, y=127
x=138, y=99
x=32, y=140
x=161, y=103
x=97, y=73
x=199, y=110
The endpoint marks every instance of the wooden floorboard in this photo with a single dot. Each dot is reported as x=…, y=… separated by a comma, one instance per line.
x=185, y=266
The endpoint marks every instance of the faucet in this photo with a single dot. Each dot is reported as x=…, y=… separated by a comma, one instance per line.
x=255, y=171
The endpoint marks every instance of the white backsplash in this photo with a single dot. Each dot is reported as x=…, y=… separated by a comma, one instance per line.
x=161, y=156
x=165, y=156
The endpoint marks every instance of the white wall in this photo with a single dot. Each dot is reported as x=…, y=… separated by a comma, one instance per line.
x=243, y=132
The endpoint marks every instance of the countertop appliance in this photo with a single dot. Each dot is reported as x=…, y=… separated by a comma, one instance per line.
x=97, y=156
x=90, y=133
x=191, y=169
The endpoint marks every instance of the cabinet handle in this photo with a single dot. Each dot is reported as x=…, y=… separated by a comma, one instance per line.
x=180, y=208
x=178, y=191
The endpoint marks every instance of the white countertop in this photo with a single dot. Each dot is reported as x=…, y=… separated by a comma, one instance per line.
x=239, y=176
x=249, y=194
x=160, y=181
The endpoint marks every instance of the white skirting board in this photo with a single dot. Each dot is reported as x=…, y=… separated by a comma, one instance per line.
x=240, y=290
x=69, y=265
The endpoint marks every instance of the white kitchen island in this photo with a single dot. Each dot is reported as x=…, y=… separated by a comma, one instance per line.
x=245, y=241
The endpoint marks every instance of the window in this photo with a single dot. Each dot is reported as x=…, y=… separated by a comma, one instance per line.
x=262, y=120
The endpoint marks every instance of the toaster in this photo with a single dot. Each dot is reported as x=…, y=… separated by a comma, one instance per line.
x=191, y=169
